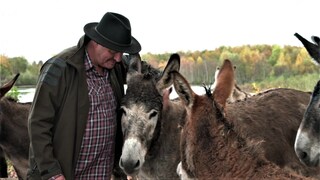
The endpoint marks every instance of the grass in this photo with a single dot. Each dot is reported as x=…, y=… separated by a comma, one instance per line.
x=301, y=82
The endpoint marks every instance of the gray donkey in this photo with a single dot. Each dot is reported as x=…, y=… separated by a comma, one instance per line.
x=150, y=123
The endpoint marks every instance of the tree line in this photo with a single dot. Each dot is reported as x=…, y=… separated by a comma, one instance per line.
x=254, y=64
x=9, y=67
x=257, y=66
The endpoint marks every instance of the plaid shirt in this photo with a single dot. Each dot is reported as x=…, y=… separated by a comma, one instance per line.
x=97, y=150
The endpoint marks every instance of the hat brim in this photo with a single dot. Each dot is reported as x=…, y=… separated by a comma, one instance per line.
x=91, y=32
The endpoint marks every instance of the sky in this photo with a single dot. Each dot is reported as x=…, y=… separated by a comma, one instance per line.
x=39, y=29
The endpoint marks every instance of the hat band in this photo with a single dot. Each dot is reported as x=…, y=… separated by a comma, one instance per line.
x=124, y=45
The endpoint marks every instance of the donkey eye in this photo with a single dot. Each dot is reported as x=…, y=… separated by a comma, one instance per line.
x=153, y=114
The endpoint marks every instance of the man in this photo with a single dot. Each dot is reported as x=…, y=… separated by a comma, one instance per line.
x=73, y=118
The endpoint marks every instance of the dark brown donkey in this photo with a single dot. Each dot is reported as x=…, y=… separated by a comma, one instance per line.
x=243, y=139
x=150, y=123
x=14, y=139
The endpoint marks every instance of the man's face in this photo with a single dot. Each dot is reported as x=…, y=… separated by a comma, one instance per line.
x=106, y=58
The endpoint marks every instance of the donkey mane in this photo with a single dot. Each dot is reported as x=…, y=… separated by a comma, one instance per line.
x=220, y=117
x=141, y=95
x=150, y=72
x=147, y=76
x=219, y=112
x=207, y=89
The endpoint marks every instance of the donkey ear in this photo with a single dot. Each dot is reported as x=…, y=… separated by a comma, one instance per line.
x=183, y=89
x=316, y=40
x=225, y=83
x=166, y=98
x=134, y=65
x=173, y=63
x=6, y=87
x=166, y=79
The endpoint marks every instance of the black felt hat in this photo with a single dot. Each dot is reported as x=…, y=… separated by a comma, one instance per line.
x=113, y=32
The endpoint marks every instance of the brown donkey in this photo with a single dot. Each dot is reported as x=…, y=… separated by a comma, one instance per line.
x=243, y=139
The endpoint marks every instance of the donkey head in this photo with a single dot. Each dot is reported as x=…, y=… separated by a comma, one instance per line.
x=307, y=143
x=142, y=107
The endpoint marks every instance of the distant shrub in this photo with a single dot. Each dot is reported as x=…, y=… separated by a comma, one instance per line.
x=304, y=82
x=14, y=93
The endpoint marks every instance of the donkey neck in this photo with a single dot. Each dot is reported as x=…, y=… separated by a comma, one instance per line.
x=217, y=149
x=224, y=154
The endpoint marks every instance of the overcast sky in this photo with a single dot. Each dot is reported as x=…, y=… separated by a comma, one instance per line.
x=38, y=29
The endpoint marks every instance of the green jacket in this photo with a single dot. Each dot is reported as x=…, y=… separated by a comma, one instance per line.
x=59, y=113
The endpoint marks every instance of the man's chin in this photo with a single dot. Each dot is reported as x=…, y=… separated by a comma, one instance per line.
x=109, y=65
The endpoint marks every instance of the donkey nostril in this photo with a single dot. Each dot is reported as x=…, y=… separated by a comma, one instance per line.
x=304, y=155
x=137, y=164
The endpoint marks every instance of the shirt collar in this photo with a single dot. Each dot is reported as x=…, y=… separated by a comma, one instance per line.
x=88, y=64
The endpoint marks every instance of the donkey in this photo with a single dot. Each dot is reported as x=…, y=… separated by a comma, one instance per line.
x=150, y=123
x=14, y=139
x=250, y=139
x=307, y=143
